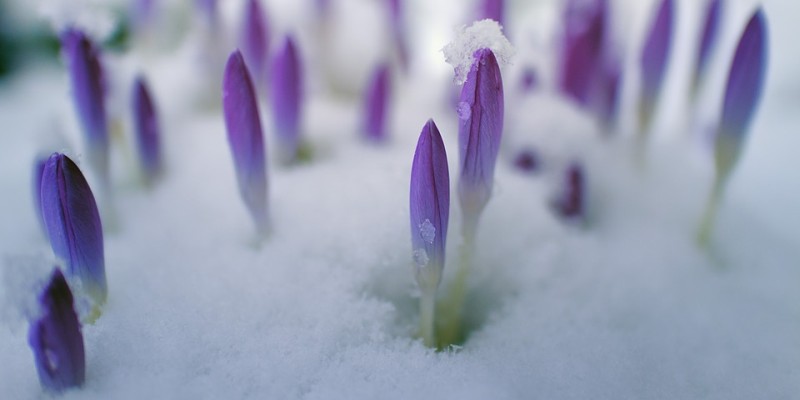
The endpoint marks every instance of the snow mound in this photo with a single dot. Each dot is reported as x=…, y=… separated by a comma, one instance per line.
x=482, y=34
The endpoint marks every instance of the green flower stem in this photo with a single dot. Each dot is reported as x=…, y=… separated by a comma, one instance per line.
x=452, y=309
x=427, y=307
x=709, y=215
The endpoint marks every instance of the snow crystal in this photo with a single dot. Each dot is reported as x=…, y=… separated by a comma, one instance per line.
x=421, y=258
x=427, y=231
x=482, y=34
x=463, y=110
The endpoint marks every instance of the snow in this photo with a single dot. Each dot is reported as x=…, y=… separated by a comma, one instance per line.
x=627, y=307
x=427, y=231
x=481, y=34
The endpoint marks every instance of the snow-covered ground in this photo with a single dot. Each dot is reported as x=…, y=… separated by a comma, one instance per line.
x=628, y=307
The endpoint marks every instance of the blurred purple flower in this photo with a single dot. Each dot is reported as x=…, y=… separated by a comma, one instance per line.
x=240, y=108
x=208, y=9
x=287, y=91
x=146, y=127
x=653, y=62
x=480, y=127
x=430, y=207
x=73, y=224
x=743, y=91
x=570, y=201
x=86, y=78
x=582, y=47
x=376, y=104
x=607, y=94
x=255, y=41
x=526, y=161
x=56, y=339
x=529, y=80
x=397, y=23
x=707, y=42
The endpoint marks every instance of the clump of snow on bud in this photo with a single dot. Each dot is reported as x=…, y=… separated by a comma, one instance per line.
x=427, y=231
x=484, y=34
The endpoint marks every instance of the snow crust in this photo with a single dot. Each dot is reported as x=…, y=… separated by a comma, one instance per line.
x=482, y=34
x=628, y=307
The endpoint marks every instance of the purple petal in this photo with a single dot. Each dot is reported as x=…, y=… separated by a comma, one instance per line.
x=529, y=80
x=480, y=127
x=430, y=206
x=376, y=100
x=527, y=161
x=287, y=87
x=570, y=202
x=397, y=22
x=240, y=107
x=86, y=78
x=146, y=127
x=707, y=41
x=742, y=93
x=654, y=60
x=255, y=40
x=493, y=9
x=584, y=36
x=56, y=339
x=38, y=170
x=607, y=100
x=73, y=224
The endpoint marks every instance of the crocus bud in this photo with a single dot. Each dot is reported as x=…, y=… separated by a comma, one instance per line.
x=73, y=225
x=570, y=201
x=707, y=42
x=480, y=127
x=430, y=207
x=240, y=107
x=56, y=339
x=147, y=132
x=376, y=99
x=582, y=47
x=86, y=79
x=653, y=63
x=742, y=93
x=529, y=80
x=255, y=41
x=286, y=90
x=527, y=161
x=493, y=9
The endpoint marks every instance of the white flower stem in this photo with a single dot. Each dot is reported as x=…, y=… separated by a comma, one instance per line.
x=427, y=307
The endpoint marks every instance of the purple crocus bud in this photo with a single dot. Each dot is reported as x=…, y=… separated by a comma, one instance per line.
x=570, y=201
x=73, y=225
x=255, y=41
x=707, y=41
x=480, y=127
x=287, y=89
x=240, y=107
x=529, y=80
x=653, y=62
x=38, y=169
x=493, y=9
x=56, y=339
x=526, y=161
x=86, y=78
x=146, y=127
x=376, y=107
x=582, y=51
x=430, y=207
x=743, y=92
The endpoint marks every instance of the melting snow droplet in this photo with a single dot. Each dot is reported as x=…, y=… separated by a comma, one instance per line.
x=421, y=258
x=427, y=231
x=464, y=110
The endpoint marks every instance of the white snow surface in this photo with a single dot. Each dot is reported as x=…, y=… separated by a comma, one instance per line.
x=628, y=307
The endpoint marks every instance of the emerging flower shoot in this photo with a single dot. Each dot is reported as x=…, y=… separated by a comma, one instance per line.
x=430, y=211
x=653, y=63
x=480, y=127
x=286, y=89
x=147, y=131
x=570, y=202
x=56, y=339
x=742, y=95
x=240, y=108
x=88, y=92
x=376, y=104
x=73, y=226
